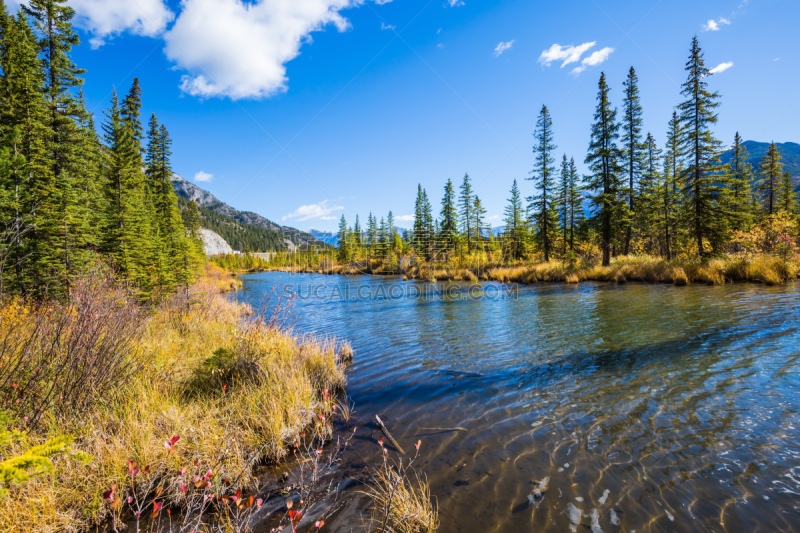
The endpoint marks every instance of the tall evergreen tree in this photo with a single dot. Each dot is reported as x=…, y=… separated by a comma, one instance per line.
x=603, y=157
x=543, y=177
x=479, y=214
x=25, y=131
x=787, y=197
x=648, y=200
x=633, y=148
x=699, y=179
x=466, y=203
x=575, y=199
x=60, y=232
x=448, y=216
x=770, y=172
x=514, y=221
x=671, y=178
x=343, y=248
x=740, y=180
x=563, y=200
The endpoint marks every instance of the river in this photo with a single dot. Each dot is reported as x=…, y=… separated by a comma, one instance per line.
x=650, y=408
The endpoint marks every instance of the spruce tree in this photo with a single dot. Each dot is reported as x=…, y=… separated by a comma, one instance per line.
x=603, y=157
x=59, y=232
x=575, y=200
x=648, y=198
x=633, y=148
x=448, y=217
x=343, y=249
x=562, y=197
x=479, y=225
x=770, y=172
x=466, y=204
x=23, y=126
x=671, y=178
x=740, y=180
x=514, y=219
x=543, y=178
x=699, y=179
x=787, y=197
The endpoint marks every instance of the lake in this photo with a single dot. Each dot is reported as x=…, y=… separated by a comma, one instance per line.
x=650, y=408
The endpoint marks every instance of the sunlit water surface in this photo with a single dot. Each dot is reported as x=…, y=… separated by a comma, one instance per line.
x=649, y=407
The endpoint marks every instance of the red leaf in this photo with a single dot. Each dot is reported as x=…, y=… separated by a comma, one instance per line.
x=174, y=439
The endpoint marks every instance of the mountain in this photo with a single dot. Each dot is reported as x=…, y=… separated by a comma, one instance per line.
x=757, y=150
x=325, y=236
x=241, y=229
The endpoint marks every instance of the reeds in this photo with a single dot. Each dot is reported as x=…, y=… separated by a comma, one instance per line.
x=205, y=371
x=401, y=503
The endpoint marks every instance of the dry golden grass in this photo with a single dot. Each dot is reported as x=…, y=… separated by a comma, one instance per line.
x=400, y=504
x=272, y=381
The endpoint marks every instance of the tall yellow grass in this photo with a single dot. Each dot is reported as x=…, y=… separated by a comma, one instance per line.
x=766, y=269
x=272, y=381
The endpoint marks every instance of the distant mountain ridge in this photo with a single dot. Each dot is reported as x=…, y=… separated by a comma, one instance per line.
x=757, y=150
x=325, y=236
x=241, y=229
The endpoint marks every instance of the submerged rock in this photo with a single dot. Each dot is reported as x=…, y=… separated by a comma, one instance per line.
x=538, y=491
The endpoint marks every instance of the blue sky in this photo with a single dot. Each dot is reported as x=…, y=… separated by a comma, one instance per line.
x=303, y=110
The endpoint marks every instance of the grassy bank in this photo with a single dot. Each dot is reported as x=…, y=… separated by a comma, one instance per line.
x=766, y=269
x=236, y=390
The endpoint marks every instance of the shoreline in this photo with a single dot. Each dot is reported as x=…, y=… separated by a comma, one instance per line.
x=761, y=269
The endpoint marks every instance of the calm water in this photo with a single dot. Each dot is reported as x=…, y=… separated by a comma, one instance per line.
x=650, y=408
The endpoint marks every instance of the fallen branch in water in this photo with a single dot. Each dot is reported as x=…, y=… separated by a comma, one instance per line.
x=382, y=427
x=440, y=429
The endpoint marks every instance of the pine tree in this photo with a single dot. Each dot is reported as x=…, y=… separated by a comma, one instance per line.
x=563, y=200
x=466, y=203
x=648, y=197
x=59, y=231
x=671, y=178
x=343, y=253
x=167, y=222
x=770, y=172
x=479, y=225
x=514, y=221
x=787, y=197
x=575, y=200
x=740, y=180
x=603, y=158
x=633, y=148
x=23, y=126
x=699, y=180
x=543, y=178
x=357, y=234
x=448, y=217
x=419, y=227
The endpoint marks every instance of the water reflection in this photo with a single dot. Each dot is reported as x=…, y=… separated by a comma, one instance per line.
x=649, y=408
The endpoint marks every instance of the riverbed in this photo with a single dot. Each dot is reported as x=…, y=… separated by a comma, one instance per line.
x=649, y=407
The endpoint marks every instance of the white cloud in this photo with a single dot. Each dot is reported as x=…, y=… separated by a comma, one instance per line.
x=714, y=25
x=440, y=46
x=502, y=47
x=381, y=2
x=404, y=218
x=455, y=3
x=329, y=218
x=203, y=176
x=385, y=26
x=105, y=18
x=239, y=49
x=593, y=60
x=320, y=210
x=722, y=67
x=567, y=54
